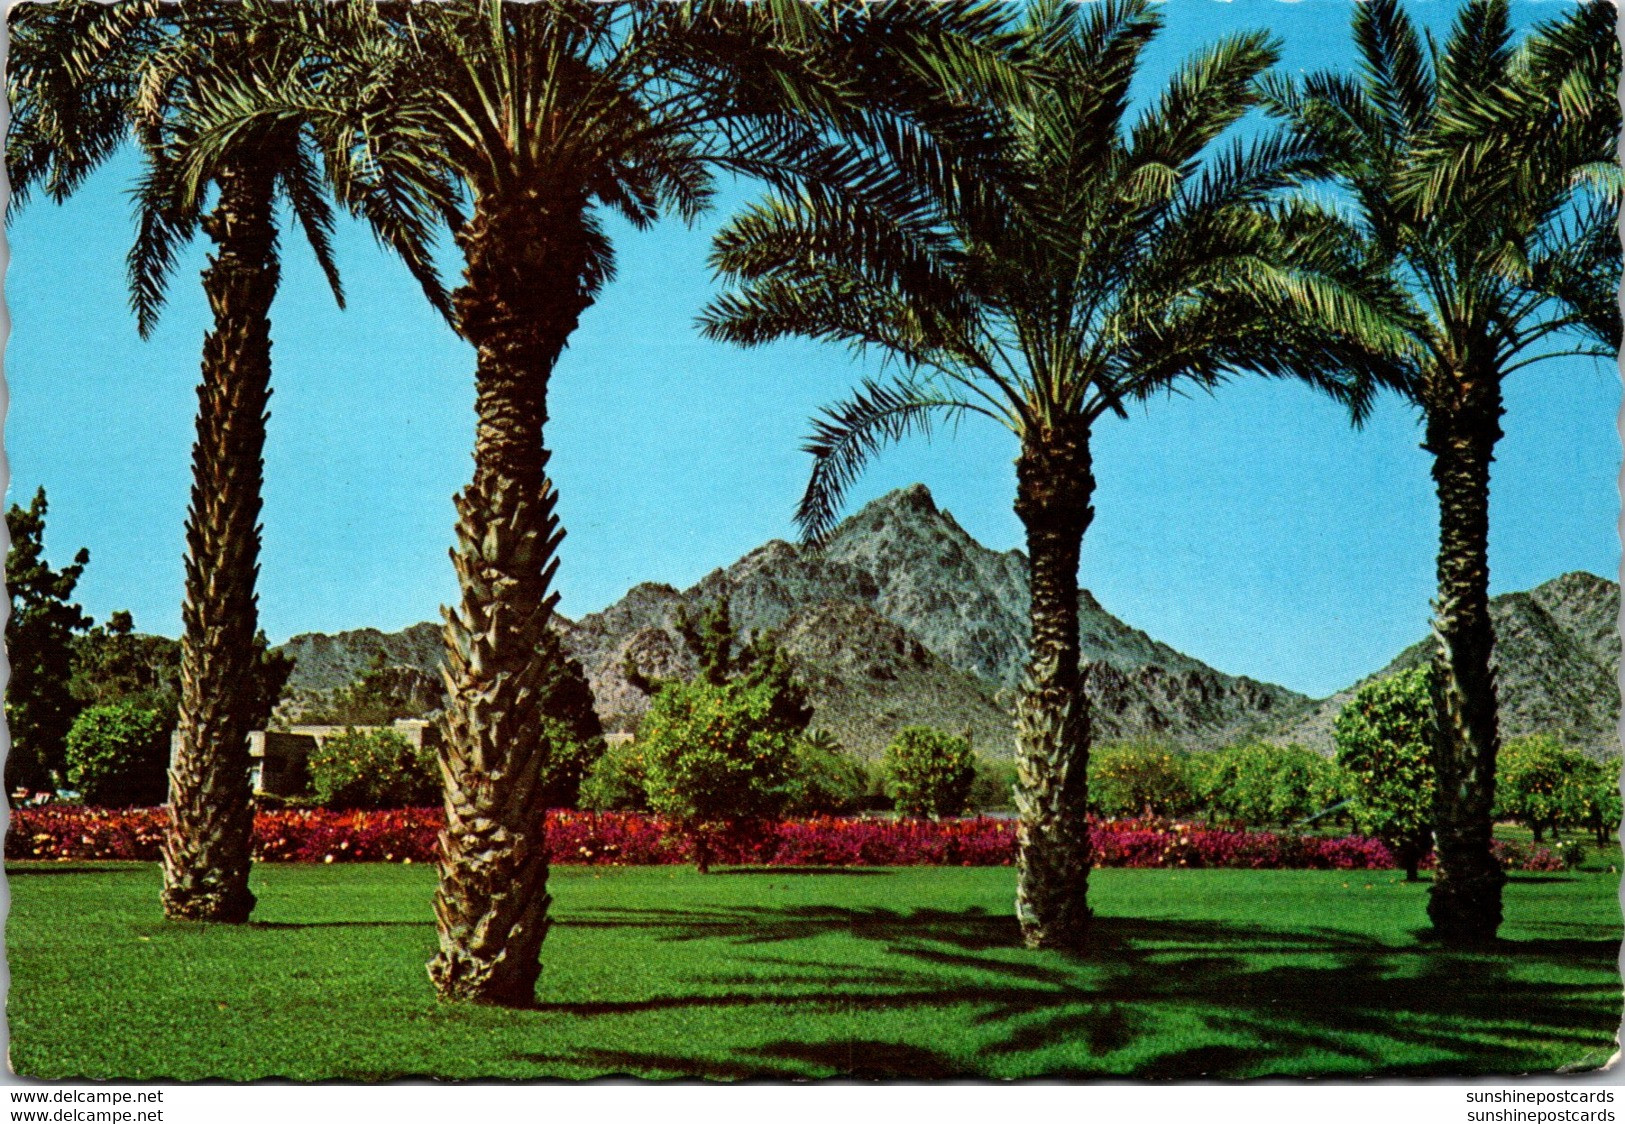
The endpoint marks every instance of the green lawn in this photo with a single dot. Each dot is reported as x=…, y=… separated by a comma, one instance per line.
x=779, y=973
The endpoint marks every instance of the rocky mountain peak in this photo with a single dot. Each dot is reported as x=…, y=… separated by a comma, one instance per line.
x=902, y=617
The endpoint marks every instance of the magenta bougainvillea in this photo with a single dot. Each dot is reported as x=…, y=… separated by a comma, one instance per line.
x=627, y=839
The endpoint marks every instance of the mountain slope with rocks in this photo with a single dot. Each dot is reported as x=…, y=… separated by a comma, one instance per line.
x=901, y=617
x=323, y=662
x=1557, y=666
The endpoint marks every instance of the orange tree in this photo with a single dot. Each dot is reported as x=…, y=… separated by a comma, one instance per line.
x=717, y=757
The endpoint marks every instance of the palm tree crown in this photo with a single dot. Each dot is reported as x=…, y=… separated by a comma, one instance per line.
x=86, y=78
x=1116, y=260
x=1484, y=175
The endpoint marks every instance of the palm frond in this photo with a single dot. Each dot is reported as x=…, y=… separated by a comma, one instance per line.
x=301, y=181
x=1398, y=78
x=165, y=223
x=1207, y=94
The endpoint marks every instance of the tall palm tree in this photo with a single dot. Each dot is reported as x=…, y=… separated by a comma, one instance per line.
x=1118, y=261
x=1485, y=175
x=542, y=117
x=85, y=78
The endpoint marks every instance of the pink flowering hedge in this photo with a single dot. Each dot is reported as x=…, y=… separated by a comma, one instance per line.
x=620, y=839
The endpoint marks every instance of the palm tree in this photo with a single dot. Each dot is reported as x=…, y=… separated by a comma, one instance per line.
x=541, y=117
x=1118, y=261
x=1485, y=175
x=85, y=77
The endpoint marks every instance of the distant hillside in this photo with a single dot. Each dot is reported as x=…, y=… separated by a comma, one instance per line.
x=1557, y=667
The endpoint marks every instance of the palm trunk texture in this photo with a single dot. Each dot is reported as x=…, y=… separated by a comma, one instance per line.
x=208, y=842
x=521, y=299
x=1465, y=899
x=1055, y=482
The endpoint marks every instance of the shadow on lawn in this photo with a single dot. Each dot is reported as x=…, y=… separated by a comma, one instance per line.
x=1180, y=999
x=864, y=1059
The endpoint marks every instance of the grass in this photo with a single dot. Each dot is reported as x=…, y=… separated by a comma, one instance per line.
x=660, y=972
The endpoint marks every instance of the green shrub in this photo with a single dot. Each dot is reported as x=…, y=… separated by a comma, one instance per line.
x=825, y=779
x=717, y=755
x=1383, y=737
x=1572, y=852
x=994, y=788
x=373, y=769
x=1138, y=778
x=928, y=772
x=118, y=756
x=614, y=782
x=1261, y=785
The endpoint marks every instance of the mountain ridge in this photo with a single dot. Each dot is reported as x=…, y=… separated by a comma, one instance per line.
x=902, y=617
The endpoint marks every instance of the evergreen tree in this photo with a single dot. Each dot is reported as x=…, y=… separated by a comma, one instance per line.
x=40, y=708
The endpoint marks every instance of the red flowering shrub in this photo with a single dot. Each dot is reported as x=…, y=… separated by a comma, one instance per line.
x=631, y=839
x=1520, y=856
x=85, y=833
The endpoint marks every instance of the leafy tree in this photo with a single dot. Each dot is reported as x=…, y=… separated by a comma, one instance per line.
x=928, y=772
x=1530, y=781
x=716, y=758
x=1484, y=175
x=373, y=769
x=711, y=639
x=1259, y=784
x=40, y=708
x=1096, y=263
x=572, y=736
x=267, y=678
x=1383, y=737
x=722, y=659
x=118, y=756
x=1539, y=782
x=114, y=663
x=84, y=78
x=994, y=788
x=1138, y=778
x=383, y=693
x=825, y=778
x=1595, y=798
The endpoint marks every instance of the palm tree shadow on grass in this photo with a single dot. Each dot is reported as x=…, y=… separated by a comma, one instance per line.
x=1226, y=1000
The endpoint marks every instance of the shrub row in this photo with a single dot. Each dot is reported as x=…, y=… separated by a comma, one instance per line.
x=585, y=838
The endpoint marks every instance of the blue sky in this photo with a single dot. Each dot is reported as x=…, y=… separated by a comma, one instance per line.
x=1252, y=529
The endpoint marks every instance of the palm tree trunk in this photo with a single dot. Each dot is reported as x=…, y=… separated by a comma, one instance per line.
x=208, y=842
x=522, y=296
x=1055, y=482
x=1465, y=899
